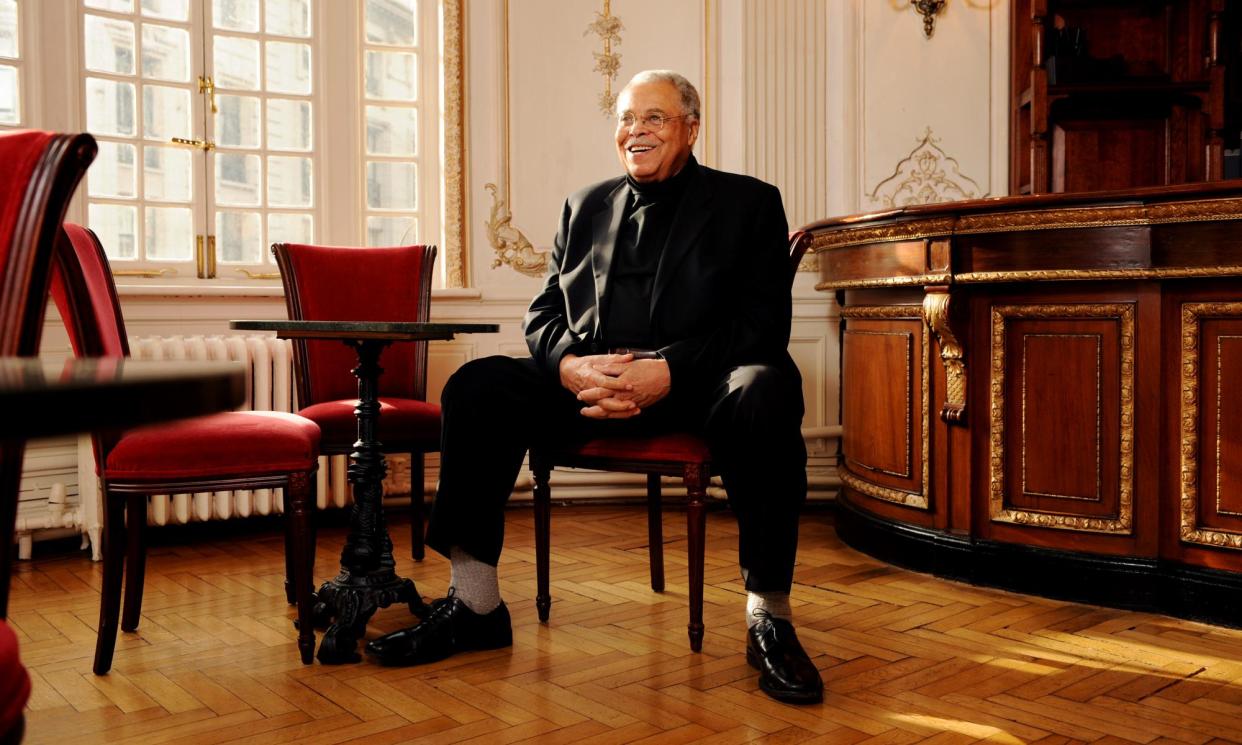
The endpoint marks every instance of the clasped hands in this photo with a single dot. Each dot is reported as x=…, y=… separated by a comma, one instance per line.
x=614, y=386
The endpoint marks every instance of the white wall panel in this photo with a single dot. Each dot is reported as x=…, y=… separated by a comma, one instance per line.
x=911, y=86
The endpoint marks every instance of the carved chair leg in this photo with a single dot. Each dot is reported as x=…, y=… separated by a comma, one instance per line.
x=136, y=559
x=655, y=532
x=290, y=555
x=543, y=529
x=110, y=593
x=696, y=479
x=417, y=507
x=300, y=496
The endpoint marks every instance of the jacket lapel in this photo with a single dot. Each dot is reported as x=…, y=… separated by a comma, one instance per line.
x=605, y=227
x=692, y=215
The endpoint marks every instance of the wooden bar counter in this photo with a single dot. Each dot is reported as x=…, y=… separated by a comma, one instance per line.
x=1045, y=393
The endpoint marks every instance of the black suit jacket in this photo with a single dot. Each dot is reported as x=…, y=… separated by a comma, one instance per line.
x=721, y=295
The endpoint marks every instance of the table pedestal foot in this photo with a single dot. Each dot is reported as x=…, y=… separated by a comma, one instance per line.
x=351, y=600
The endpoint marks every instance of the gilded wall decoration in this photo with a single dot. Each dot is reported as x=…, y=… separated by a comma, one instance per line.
x=454, y=166
x=925, y=176
x=1191, y=531
x=608, y=28
x=512, y=248
x=1123, y=523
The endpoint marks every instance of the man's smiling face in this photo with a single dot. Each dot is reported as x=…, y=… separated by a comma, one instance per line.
x=654, y=156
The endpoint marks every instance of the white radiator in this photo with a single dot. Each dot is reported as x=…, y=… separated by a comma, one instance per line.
x=269, y=387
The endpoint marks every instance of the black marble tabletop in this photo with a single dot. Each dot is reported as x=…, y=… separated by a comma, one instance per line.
x=344, y=330
x=42, y=399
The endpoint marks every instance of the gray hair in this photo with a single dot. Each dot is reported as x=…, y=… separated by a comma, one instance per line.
x=689, y=96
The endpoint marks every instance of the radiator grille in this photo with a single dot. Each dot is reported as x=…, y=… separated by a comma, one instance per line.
x=269, y=387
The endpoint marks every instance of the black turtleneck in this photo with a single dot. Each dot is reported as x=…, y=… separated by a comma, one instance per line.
x=649, y=212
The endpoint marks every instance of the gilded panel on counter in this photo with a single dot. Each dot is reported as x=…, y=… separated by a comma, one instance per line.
x=1211, y=432
x=885, y=367
x=1061, y=400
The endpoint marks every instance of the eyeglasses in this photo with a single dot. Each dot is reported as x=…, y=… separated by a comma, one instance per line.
x=652, y=122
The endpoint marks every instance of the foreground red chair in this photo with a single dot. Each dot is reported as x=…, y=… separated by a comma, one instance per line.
x=39, y=171
x=233, y=450
x=324, y=283
x=678, y=454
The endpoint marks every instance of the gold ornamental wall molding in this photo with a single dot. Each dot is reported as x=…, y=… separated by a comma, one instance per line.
x=919, y=499
x=1123, y=523
x=926, y=175
x=454, y=155
x=511, y=246
x=607, y=63
x=1190, y=529
x=936, y=306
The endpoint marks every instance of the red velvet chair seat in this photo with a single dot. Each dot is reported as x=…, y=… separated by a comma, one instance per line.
x=678, y=447
x=403, y=423
x=251, y=442
x=14, y=682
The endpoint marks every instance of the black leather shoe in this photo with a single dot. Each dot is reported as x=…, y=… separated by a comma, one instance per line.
x=785, y=672
x=451, y=627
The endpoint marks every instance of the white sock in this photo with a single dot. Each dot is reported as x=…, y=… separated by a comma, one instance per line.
x=774, y=604
x=474, y=582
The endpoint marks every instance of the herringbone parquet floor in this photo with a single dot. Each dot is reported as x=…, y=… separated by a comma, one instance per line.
x=905, y=657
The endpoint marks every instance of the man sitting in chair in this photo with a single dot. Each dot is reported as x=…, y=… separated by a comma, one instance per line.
x=666, y=307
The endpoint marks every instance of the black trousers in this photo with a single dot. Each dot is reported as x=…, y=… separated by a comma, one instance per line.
x=495, y=408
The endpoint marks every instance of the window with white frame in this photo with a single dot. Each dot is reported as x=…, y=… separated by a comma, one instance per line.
x=390, y=111
x=227, y=125
x=10, y=65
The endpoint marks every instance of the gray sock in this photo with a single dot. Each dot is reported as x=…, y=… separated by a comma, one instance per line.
x=761, y=604
x=474, y=582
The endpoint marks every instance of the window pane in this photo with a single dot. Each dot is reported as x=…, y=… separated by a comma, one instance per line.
x=392, y=76
x=288, y=67
x=110, y=108
x=392, y=231
x=235, y=15
x=290, y=229
x=173, y=10
x=116, y=226
x=167, y=174
x=169, y=233
x=392, y=186
x=288, y=17
x=10, y=109
x=238, y=180
x=391, y=22
x=165, y=53
x=8, y=28
x=238, y=122
x=121, y=6
x=288, y=182
x=165, y=112
x=113, y=172
x=109, y=45
x=288, y=124
x=392, y=131
x=236, y=63
x=239, y=237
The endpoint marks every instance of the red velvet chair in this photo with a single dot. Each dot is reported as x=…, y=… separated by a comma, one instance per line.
x=39, y=172
x=324, y=283
x=674, y=454
x=14, y=689
x=233, y=450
